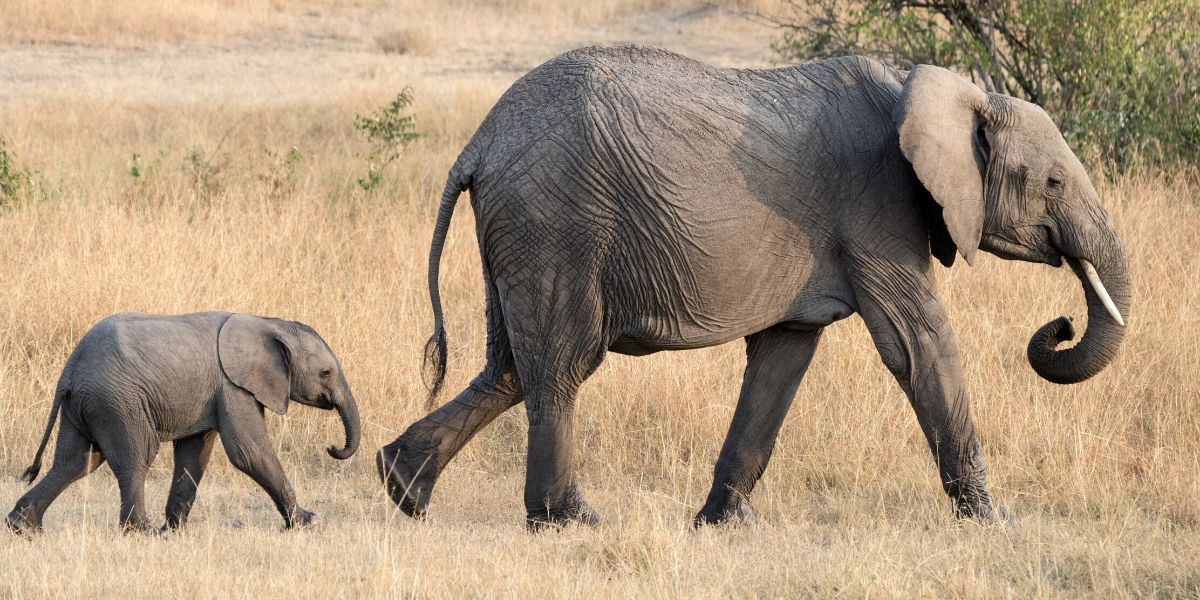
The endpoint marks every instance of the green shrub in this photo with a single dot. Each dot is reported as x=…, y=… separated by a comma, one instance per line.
x=1121, y=78
x=16, y=182
x=144, y=169
x=280, y=174
x=203, y=170
x=389, y=131
x=135, y=166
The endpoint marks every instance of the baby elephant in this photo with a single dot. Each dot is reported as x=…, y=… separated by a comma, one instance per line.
x=137, y=380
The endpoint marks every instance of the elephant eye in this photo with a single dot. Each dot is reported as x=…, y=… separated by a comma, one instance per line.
x=326, y=373
x=1054, y=182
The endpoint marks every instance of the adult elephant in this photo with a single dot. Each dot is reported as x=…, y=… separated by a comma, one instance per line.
x=633, y=200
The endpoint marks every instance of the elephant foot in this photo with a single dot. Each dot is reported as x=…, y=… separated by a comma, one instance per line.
x=984, y=510
x=20, y=523
x=142, y=528
x=304, y=518
x=547, y=519
x=575, y=510
x=736, y=512
x=408, y=476
x=175, y=520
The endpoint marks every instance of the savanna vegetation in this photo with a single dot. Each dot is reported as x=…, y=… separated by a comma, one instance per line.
x=1120, y=77
x=259, y=156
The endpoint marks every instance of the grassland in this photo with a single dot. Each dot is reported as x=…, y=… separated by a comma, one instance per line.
x=1104, y=475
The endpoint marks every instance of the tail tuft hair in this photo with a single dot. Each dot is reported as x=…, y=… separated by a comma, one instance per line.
x=434, y=365
x=31, y=473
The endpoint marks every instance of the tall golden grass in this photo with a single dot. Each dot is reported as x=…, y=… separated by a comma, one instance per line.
x=1104, y=475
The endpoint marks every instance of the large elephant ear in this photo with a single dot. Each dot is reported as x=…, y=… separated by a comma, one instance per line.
x=938, y=117
x=254, y=357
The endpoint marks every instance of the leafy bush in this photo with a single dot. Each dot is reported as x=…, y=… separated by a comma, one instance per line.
x=135, y=166
x=144, y=169
x=1121, y=78
x=280, y=174
x=203, y=170
x=389, y=131
x=16, y=182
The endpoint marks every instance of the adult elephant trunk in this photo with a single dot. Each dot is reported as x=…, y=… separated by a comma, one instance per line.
x=1106, y=284
x=347, y=408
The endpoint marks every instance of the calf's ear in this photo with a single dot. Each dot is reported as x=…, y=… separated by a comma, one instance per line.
x=253, y=355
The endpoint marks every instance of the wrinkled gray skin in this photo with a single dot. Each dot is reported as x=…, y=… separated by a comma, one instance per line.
x=138, y=380
x=632, y=200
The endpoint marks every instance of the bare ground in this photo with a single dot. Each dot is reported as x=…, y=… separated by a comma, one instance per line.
x=323, y=52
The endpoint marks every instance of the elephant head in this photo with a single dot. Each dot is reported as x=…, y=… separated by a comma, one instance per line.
x=1007, y=183
x=280, y=361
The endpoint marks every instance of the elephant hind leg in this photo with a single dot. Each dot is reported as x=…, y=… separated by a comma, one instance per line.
x=191, y=458
x=560, y=345
x=130, y=457
x=410, y=465
x=74, y=458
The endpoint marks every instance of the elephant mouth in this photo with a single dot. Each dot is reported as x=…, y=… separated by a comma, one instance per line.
x=1043, y=253
x=322, y=401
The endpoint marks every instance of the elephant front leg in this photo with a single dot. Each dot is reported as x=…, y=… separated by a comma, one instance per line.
x=776, y=360
x=913, y=335
x=191, y=458
x=244, y=437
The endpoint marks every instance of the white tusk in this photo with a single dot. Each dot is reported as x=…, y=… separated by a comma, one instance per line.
x=1098, y=287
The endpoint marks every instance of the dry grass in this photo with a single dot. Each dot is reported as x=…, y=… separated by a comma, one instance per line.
x=172, y=21
x=405, y=41
x=108, y=21
x=1105, y=475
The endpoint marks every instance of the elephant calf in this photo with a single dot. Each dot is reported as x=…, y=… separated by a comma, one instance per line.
x=137, y=380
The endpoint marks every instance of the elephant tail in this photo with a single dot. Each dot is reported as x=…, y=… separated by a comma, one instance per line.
x=32, y=472
x=434, y=363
